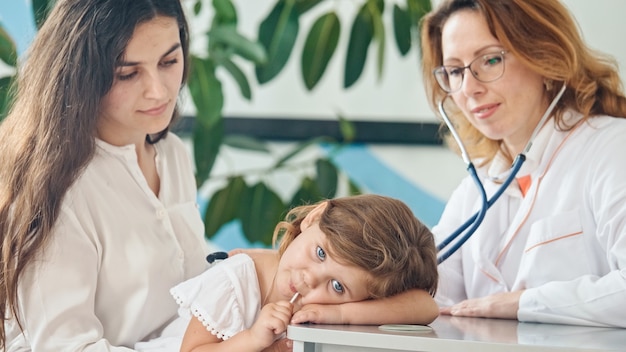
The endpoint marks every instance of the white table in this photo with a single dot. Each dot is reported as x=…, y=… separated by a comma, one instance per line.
x=458, y=334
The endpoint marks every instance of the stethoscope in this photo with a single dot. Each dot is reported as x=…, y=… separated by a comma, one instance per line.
x=470, y=226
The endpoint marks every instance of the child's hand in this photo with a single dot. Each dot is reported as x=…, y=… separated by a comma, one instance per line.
x=272, y=321
x=281, y=345
x=319, y=314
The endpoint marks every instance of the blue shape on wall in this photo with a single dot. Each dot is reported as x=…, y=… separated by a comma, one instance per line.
x=370, y=173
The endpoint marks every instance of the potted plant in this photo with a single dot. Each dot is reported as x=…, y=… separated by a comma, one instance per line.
x=257, y=205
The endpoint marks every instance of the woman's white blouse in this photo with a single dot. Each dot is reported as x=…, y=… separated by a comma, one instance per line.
x=103, y=281
x=564, y=242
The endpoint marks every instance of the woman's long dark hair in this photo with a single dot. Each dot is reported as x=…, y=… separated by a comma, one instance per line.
x=48, y=136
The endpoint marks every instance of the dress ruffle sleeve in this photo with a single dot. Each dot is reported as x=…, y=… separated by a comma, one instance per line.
x=225, y=298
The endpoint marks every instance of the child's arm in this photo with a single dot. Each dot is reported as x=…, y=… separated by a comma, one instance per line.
x=272, y=322
x=410, y=307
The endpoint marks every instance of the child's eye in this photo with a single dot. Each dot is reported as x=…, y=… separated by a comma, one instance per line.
x=337, y=286
x=320, y=253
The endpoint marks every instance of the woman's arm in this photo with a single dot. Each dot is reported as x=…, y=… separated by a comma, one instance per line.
x=410, y=307
x=502, y=305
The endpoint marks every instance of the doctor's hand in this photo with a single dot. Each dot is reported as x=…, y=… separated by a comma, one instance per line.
x=501, y=305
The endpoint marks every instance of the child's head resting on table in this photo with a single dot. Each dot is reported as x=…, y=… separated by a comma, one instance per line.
x=336, y=251
x=361, y=247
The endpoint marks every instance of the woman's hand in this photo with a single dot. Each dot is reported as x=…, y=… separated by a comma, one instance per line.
x=501, y=305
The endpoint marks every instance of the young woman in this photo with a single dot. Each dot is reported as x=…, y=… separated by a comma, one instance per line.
x=98, y=217
x=553, y=247
x=341, y=250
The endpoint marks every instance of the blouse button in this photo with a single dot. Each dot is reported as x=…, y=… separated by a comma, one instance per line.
x=160, y=214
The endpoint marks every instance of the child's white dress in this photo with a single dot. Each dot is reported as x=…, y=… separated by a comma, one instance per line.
x=226, y=298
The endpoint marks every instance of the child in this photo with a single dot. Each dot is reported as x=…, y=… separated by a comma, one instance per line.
x=340, y=250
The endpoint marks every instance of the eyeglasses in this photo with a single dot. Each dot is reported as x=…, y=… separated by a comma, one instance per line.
x=485, y=68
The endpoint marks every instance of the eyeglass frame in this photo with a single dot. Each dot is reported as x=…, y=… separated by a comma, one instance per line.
x=437, y=70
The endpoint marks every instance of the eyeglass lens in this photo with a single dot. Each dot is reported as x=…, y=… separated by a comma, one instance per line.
x=485, y=68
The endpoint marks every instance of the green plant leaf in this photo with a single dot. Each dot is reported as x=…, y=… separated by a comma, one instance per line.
x=299, y=148
x=225, y=11
x=361, y=35
x=40, y=10
x=319, y=48
x=307, y=193
x=241, y=45
x=347, y=129
x=246, y=142
x=8, y=52
x=277, y=33
x=417, y=9
x=206, y=145
x=365, y=26
x=402, y=29
x=197, y=7
x=224, y=205
x=327, y=178
x=376, y=8
x=303, y=6
x=353, y=188
x=5, y=96
x=236, y=73
x=262, y=209
x=206, y=92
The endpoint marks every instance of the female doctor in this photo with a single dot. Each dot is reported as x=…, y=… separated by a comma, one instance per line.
x=552, y=248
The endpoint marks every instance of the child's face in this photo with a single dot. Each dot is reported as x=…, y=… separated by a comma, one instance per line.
x=306, y=267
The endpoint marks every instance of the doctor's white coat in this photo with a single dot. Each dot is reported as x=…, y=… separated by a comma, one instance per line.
x=564, y=242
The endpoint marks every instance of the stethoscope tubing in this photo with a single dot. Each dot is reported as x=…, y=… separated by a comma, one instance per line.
x=476, y=220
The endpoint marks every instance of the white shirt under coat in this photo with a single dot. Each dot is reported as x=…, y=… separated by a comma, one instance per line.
x=564, y=242
x=103, y=281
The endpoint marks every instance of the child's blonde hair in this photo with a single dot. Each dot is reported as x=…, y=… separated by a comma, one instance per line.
x=375, y=233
